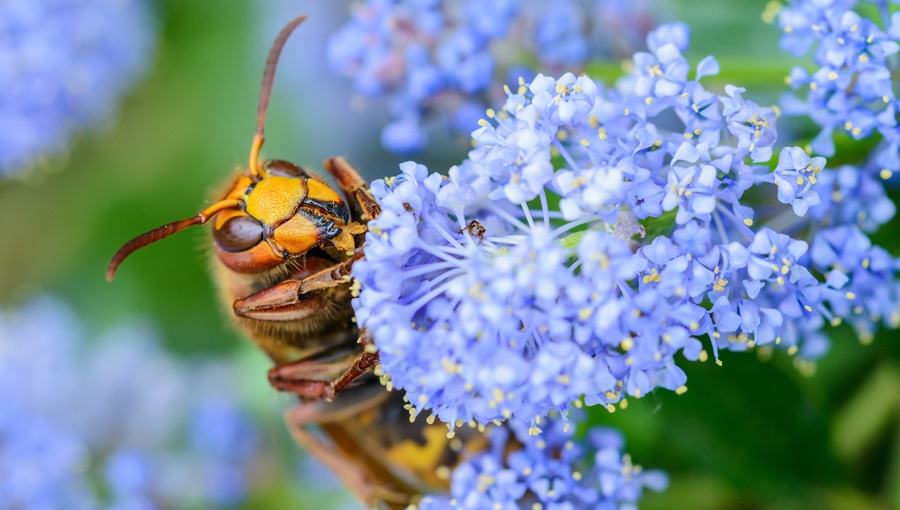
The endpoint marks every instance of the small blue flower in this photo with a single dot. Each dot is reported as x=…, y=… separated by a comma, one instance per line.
x=692, y=185
x=795, y=175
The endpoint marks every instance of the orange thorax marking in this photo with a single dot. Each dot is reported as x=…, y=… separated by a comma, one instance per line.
x=298, y=234
x=275, y=198
x=322, y=192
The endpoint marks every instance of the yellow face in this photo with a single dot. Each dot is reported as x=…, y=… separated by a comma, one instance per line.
x=285, y=214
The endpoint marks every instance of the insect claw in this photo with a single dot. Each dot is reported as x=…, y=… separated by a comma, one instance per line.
x=268, y=302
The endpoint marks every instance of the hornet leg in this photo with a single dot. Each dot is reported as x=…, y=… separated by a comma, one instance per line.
x=362, y=203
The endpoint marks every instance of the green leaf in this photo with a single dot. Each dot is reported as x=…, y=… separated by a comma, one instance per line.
x=864, y=417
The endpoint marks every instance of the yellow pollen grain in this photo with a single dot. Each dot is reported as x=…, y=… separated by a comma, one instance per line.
x=748, y=222
x=681, y=390
x=585, y=143
x=832, y=76
x=885, y=174
x=652, y=277
x=792, y=350
x=442, y=473
x=611, y=408
x=719, y=362
x=851, y=295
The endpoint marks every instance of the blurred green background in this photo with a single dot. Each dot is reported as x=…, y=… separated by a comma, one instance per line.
x=754, y=433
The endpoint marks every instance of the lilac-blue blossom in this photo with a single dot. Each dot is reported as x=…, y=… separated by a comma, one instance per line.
x=528, y=282
x=552, y=471
x=852, y=91
x=64, y=67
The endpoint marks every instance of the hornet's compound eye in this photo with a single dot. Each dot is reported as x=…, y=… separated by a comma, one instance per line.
x=238, y=233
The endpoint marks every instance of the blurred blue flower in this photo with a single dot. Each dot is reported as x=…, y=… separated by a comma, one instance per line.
x=64, y=67
x=149, y=419
x=437, y=57
x=552, y=470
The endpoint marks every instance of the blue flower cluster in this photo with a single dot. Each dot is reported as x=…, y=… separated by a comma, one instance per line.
x=80, y=427
x=64, y=66
x=594, y=233
x=554, y=472
x=429, y=57
x=852, y=91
